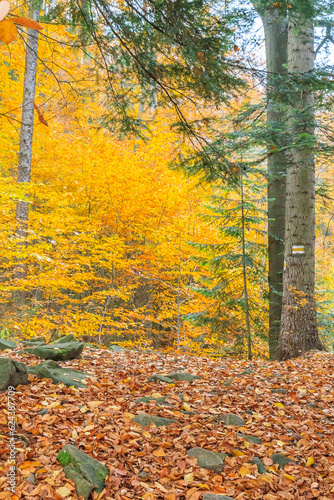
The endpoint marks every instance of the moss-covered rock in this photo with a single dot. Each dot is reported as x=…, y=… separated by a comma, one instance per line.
x=86, y=472
x=7, y=344
x=207, y=459
x=248, y=371
x=188, y=377
x=58, y=375
x=150, y=399
x=161, y=378
x=230, y=419
x=12, y=373
x=281, y=460
x=116, y=348
x=56, y=352
x=252, y=439
x=64, y=339
x=145, y=419
x=260, y=467
x=212, y=496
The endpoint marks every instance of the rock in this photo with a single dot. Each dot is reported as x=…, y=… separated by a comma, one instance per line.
x=12, y=373
x=260, y=467
x=212, y=496
x=142, y=474
x=31, y=478
x=64, y=339
x=150, y=399
x=227, y=383
x=183, y=376
x=207, y=459
x=145, y=419
x=313, y=405
x=56, y=352
x=58, y=375
x=31, y=343
x=249, y=371
x=116, y=348
x=252, y=439
x=85, y=471
x=7, y=344
x=82, y=486
x=281, y=460
x=42, y=412
x=156, y=377
x=279, y=391
x=230, y=419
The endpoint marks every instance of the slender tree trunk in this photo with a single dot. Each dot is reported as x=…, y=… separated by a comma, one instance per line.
x=299, y=332
x=26, y=137
x=244, y=270
x=276, y=40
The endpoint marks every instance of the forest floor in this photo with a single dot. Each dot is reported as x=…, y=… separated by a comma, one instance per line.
x=296, y=420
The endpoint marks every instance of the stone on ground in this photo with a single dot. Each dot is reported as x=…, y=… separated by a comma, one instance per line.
x=56, y=352
x=281, y=460
x=64, y=339
x=252, y=439
x=230, y=419
x=7, y=344
x=260, y=466
x=212, y=496
x=249, y=371
x=151, y=399
x=86, y=472
x=12, y=373
x=188, y=377
x=145, y=419
x=58, y=375
x=116, y=348
x=207, y=459
x=161, y=378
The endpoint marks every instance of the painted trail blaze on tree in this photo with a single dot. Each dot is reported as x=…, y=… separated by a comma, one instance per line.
x=299, y=332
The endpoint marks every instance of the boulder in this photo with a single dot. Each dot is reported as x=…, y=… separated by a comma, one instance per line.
x=64, y=339
x=188, y=377
x=7, y=344
x=56, y=352
x=252, y=439
x=207, y=459
x=12, y=373
x=58, y=375
x=87, y=473
x=161, y=378
x=230, y=419
x=150, y=399
x=116, y=348
x=145, y=419
x=281, y=460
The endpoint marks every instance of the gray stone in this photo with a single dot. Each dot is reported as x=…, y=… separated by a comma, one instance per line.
x=279, y=391
x=161, y=378
x=56, y=352
x=116, y=348
x=12, y=373
x=142, y=474
x=281, y=460
x=150, y=399
x=32, y=343
x=183, y=376
x=207, y=459
x=58, y=375
x=212, y=496
x=64, y=339
x=145, y=419
x=82, y=486
x=7, y=344
x=31, y=478
x=249, y=371
x=252, y=439
x=313, y=405
x=260, y=467
x=230, y=419
x=87, y=471
x=227, y=383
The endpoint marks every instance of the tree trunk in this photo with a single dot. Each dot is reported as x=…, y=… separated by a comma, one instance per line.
x=26, y=137
x=299, y=332
x=276, y=40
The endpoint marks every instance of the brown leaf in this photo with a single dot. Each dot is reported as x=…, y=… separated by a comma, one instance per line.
x=27, y=22
x=40, y=115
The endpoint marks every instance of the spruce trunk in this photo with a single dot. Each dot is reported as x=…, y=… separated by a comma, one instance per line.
x=276, y=41
x=299, y=332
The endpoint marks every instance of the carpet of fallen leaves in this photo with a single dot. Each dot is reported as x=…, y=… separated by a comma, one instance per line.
x=151, y=463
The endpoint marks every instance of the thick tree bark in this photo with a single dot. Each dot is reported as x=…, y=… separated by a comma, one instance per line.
x=276, y=40
x=299, y=332
x=26, y=137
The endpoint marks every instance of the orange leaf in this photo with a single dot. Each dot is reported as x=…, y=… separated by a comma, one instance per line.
x=28, y=23
x=8, y=31
x=4, y=9
x=159, y=453
x=40, y=115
